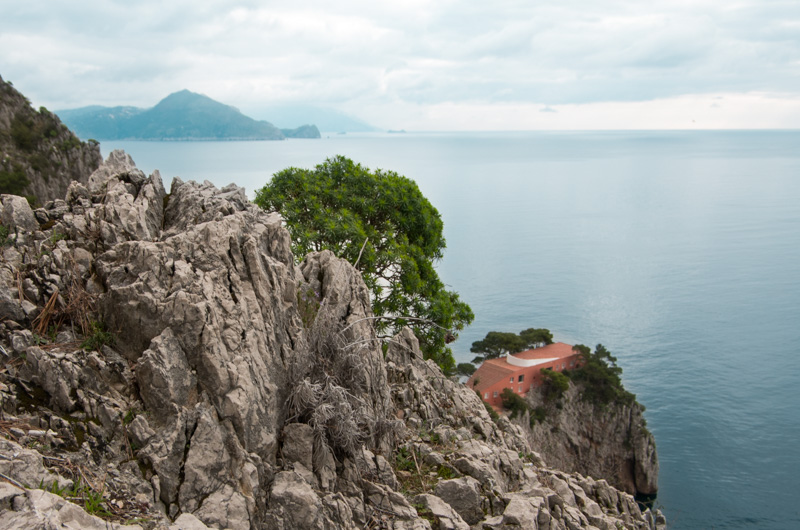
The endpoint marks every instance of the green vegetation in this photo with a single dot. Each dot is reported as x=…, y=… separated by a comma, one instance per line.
x=97, y=337
x=71, y=142
x=514, y=403
x=554, y=384
x=445, y=473
x=404, y=460
x=381, y=223
x=24, y=132
x=13, y=181
x=81, y=494
x=600, y=376
x=517, y=406
x=466, y=369
x=129, y=417
x=5, y=238
x=499, y=343
x=307, y=305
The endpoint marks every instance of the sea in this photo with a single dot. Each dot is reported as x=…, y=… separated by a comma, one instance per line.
x=677, y=250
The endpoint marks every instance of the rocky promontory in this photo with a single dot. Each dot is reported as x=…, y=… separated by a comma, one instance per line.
x=39, y=156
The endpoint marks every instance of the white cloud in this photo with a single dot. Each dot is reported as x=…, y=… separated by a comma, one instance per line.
x=421, y=56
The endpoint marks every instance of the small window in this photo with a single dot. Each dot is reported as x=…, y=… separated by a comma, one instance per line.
x=572, y=363
x=563, y=365
x=521, y=378
x=511, y=380
x=520, y=389
x=494, y=394
x=486, y=395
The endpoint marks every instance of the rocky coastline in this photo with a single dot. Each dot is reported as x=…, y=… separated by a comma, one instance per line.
x=163, y=366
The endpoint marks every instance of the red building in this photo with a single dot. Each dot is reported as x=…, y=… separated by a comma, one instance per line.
x=521, y=371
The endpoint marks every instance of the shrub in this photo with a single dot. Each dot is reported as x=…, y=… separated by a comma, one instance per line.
x=514, y=403
x=465, y=369
x=24, y=133
x=554, y=384
x=13, y=181
x=600, y=376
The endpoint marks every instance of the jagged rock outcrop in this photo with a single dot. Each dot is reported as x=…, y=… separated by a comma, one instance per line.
x=39, y=156
x=608, y=441
x=165, y=352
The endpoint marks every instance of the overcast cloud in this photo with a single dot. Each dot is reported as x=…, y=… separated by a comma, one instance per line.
x=422, y=64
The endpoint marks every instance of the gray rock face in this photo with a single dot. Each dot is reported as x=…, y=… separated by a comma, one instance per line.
x=242, y=390
x=446, y=517
x=17, y=215
x=463, y=495
x=611, y=443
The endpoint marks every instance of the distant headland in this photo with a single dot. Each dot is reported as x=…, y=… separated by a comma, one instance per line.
x=182, y=115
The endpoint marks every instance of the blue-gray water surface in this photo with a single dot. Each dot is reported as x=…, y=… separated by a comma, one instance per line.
x=679, y=251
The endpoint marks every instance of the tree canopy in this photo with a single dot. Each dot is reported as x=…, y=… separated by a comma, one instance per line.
x=601, y=376
x=499, y=343
x=466, y=369
x=381, y=223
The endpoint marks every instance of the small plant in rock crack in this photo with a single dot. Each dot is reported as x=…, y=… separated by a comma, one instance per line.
x=80, y=493
x=404, y=460
x=97, y=337
x=308, y=301
x=4, y=236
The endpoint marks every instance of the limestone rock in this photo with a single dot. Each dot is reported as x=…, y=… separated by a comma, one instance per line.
x=463, y=495
x=165, y=377
x=26, y=466
x=298, y=444
x=294, y=504
x=17, y=215
x=187, y=521
x=446, y=517
x=38, y=509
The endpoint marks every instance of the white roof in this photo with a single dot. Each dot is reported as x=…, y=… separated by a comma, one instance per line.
x=525, y=363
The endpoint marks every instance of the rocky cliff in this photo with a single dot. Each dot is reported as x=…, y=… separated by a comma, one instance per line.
x=39, y=156
x=167, y=364
x=610, y=441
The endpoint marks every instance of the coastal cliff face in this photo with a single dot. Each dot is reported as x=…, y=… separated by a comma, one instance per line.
x=609, y=441
x=164, y=355
x=39, y=156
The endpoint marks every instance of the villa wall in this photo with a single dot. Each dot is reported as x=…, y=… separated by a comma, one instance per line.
x=531, y=377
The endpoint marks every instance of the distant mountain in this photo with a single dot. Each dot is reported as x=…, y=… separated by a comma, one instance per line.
x=327, y=120
x=183, y=115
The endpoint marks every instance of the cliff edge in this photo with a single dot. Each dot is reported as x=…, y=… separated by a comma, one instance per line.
x=610, y=441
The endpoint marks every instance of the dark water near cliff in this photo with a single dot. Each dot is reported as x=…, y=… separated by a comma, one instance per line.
x=680, y=251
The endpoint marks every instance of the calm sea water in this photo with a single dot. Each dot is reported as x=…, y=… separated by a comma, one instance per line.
x=679, y=251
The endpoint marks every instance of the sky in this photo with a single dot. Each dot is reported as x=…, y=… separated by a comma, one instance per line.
x=441, y=65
